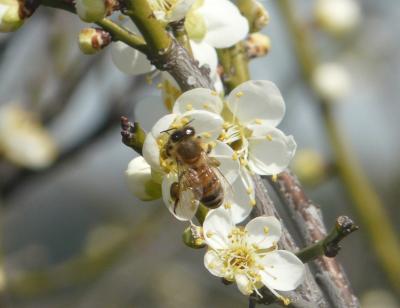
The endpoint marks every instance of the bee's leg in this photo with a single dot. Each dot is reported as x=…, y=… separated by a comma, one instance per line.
x=174, y=192
x=214, y=162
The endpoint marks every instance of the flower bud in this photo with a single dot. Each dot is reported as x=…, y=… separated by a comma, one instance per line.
x=337, y=17
x=10, y=18
x=257, y=45
x=331, y=81
x=192, y=237
x=92, y=40
x=140, y=181
x=260, y=19
x=309, y=166
x=91, y=10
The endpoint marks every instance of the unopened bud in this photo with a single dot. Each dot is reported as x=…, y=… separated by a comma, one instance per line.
x=93, y=10
x=92, y=40
x=337, y=17
x=261, y=17
x=193, y=237
x=255, y=13
x=309, y=166
x=331, y=81
x=257, y=45
x=10, y=18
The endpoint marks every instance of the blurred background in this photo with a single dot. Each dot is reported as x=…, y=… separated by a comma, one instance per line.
x=74, y=236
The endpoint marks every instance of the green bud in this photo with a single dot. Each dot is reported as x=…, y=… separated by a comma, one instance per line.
x=195, y=26
x=10, y=19
x=91, y=10
x=93, y=40
x=192, y=237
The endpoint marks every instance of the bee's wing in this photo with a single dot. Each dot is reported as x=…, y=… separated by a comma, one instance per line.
x=190, y=194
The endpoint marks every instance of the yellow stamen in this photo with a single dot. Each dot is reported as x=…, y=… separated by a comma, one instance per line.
x=239, y=94
x=253, y=202
x=274, y=178
x=235, y=156
x=215, y=93
x=258, y=121
x=189, y=107
x=266, y=230
x=210, y=234
x=228, y=205
x=160, y=86
x=269, y=137
x=206, y=135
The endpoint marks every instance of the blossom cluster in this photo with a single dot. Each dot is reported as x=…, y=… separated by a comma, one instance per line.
x=239, y=132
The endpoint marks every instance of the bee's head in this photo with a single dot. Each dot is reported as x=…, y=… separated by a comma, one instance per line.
x=182, y=133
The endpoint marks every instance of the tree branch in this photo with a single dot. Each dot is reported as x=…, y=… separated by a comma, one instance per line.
x=307, y=218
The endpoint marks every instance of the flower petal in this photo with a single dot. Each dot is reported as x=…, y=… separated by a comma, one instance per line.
x=270, y=154
x=225, y=25
x=151, y=152
x=163, y=124
x=140, y=181
x=206, y=124
x=283, y=271
x=242, y=199
x=257, y=100
x=213, y=263
x=206, y=55
x=229, y=167
x=198, y=99
x=243, y=284
x=129, y=60
x=264, y=231
x=185, y=209
x=216, y=228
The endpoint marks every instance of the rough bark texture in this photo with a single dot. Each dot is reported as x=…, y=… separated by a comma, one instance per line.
x=308, y=219
x=308, y=294
x=185, y=70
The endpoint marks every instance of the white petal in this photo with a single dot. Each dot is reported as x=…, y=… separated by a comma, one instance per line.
x=163, y=124
x=151, y=152
x=225, y=25
x=214, y=263
x=283, y=270
x=198, y=99
x=270, y=154
x=228, y=166
x=243, y=284
x=243, y=196
x=216, y=228
x=264, y=231
x=257, y=100
x=139, y=180
x=206, y=55
x=129, y=60
x=180, y=11
x=185, y=209
x=206, y=124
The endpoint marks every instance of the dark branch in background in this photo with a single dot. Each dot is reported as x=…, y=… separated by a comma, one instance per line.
x=307, y=218
x=119, y=104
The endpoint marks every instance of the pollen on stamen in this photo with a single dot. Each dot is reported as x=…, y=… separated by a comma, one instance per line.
x=214, y=93
x=184, y=121
x=253, y=202
x=206, y=106
x=258, y=121
x=210, y=234
x=160, y=86
x=149, y=79
x=266, y=230
x=235, y=156
x=226, y=125
x=227, y=205
x=239, y=94
x=269, y=137
x=249, y=191
x=206, y=135
x=189, y=107
x=274, y=178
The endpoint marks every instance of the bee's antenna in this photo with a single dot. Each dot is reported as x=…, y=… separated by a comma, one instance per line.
x=167, y=131
x=191, y=121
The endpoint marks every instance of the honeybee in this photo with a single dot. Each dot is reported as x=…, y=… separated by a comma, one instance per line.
x=198, y=173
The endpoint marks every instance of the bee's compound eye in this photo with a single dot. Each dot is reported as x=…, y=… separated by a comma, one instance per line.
x=189, y=131
x=175, y=137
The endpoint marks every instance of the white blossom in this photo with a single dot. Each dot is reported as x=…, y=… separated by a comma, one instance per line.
x=249, y=256
x=23, y=140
